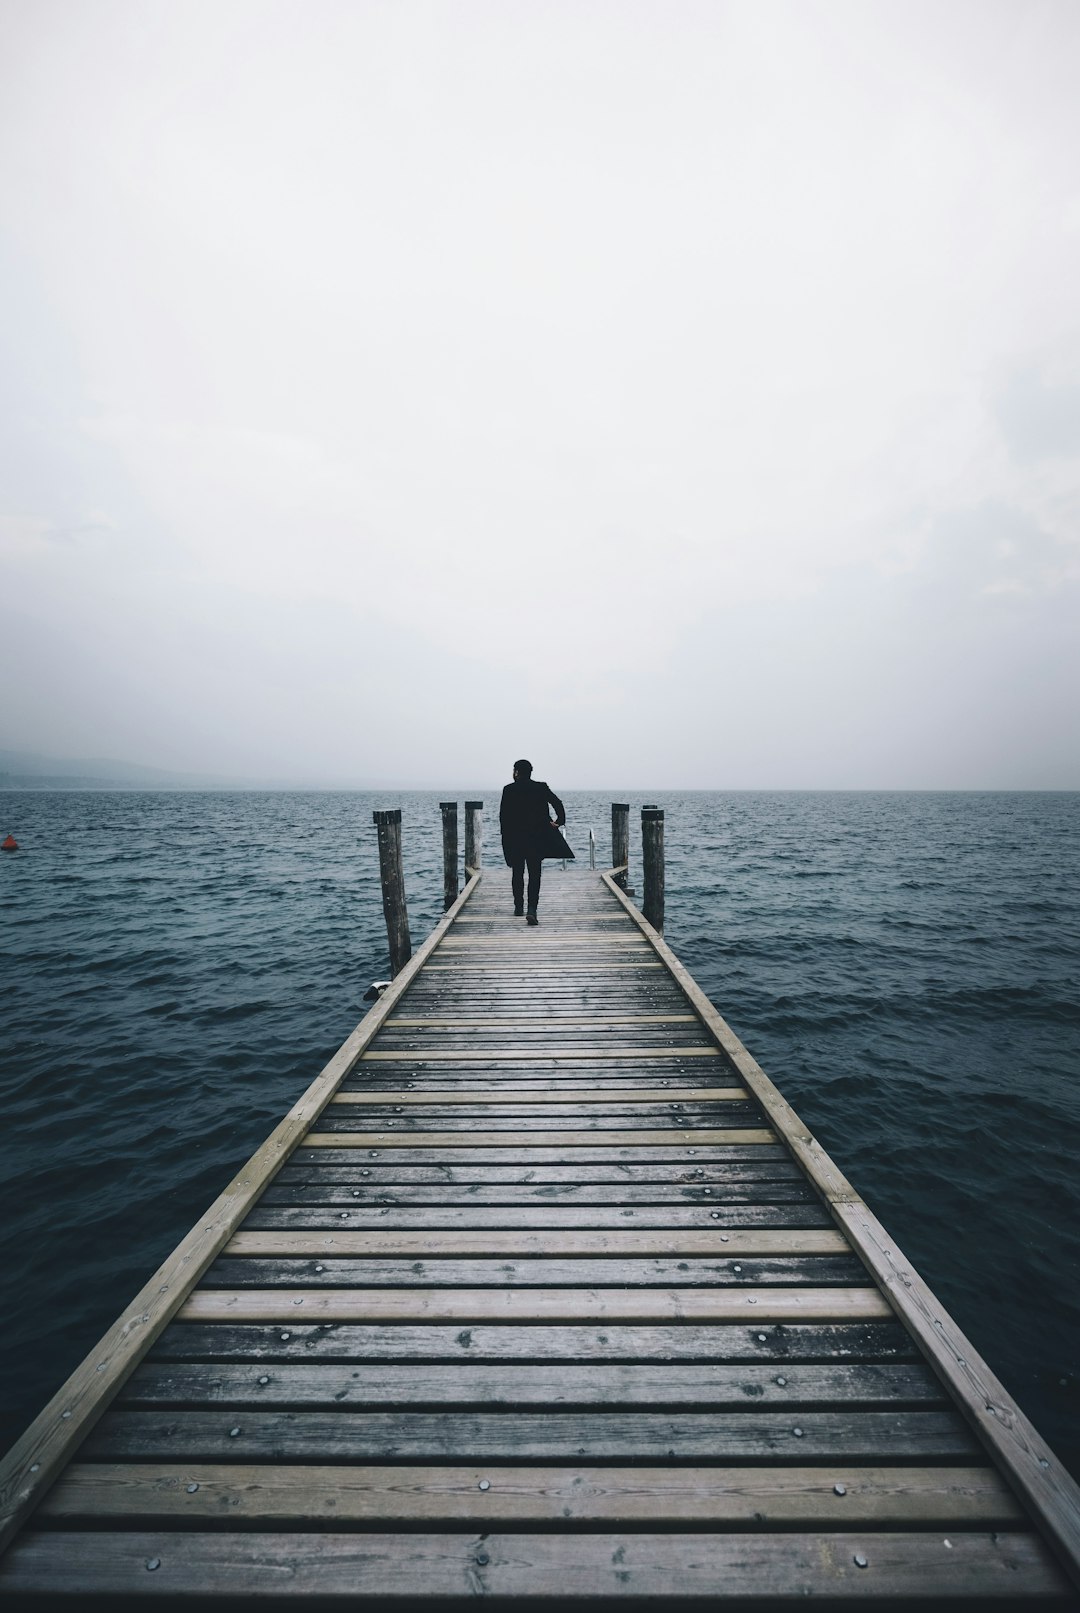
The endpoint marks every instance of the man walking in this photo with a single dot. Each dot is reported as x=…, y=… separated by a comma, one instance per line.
x=528, y=835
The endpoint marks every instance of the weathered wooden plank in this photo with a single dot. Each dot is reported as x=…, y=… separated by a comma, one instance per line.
x=834, y=1497
x=336, y=1151
x=733, y=1116
x=968, y=1565
x=332, y=1271
x=484, y=970
x=596, y=1022
x=484, y=1098
x=463, y=1305
x=475, y=1217
x=500, y=1086
x=514, y=1055
x=701, y=1138
x=340, y=1196
x=528, y=1241
x=334, y=1193
x=466, y=1384
x=774, y=1342
x=763, y=1165
x=179, y=1434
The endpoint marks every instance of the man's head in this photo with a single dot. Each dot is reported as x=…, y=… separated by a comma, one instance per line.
x=522, y=770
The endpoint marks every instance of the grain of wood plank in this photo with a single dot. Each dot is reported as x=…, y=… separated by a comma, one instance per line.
x=759, y=1241
x=546, y=1180
x=333, y=1271
x=329, y=1436
x=717, y=1137
x=513, y=1122
x=336, y=1148
x=342, y=1195
x=463, y=1305
x=569, y=970
x=195, y=1385
x=513, y=1055
x=481, y=1218
x=973, y=1566
x=832, y=1497
x=731, y=1342
x=509, y=1022
x=485, y=1098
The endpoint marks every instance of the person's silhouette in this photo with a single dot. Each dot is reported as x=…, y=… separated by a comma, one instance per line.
x=529, y=835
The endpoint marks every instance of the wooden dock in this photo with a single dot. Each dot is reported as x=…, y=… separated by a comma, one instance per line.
x=541, y=1291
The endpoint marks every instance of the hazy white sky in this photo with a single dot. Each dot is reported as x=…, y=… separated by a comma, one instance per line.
x=678, y=393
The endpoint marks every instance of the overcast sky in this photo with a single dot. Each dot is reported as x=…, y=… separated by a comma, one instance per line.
x=679, y=394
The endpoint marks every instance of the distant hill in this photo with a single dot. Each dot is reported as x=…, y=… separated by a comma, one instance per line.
x=26, y=770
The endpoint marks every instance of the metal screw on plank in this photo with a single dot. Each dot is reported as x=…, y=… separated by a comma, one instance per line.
x=797, y=1432
x=839, y=1489
x=763, y=1338
x=859, y=1560
x=782, y=1382
x=153, y=1563
x=736, y=1268
x=482, y=1559
x=233, y=1432
x=284, y=1336
x=485, y=1484
x=264, y=1379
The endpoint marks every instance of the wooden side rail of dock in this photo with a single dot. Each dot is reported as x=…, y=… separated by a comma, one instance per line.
x=541, y=1291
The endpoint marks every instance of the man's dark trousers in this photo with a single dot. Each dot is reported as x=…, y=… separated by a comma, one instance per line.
x=517, y=879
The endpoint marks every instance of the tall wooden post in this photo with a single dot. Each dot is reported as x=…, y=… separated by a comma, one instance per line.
x=474, y=836
x=392, y=875
x=449, y=852
x=620, y=839
x=652, y=855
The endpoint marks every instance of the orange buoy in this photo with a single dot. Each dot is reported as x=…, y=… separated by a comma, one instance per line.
x=10, y=844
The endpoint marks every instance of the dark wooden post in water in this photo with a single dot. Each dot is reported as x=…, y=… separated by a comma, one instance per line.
x=620, y=839
x=449, y=852
x=392, y=875
x=474, y=841
x=652, y=855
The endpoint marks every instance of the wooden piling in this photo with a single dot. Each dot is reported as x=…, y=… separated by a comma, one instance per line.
x=620, y=840
x=474, y=836
x=449, y=810
x=392, y=874
x=652, y=856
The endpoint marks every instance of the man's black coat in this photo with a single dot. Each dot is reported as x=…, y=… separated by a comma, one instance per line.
x=526, y=828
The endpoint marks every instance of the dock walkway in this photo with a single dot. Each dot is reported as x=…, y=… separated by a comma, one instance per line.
x=541, y=1291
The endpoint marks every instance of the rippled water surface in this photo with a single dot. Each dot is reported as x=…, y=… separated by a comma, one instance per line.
x=177, y=967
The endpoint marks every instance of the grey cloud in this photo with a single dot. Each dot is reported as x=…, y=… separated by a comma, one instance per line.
x=1040, y=419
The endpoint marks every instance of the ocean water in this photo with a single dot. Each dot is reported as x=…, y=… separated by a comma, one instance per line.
x=178, y=967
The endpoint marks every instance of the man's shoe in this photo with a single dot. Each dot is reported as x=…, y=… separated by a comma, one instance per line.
x=519, y=912
x=530, y=917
